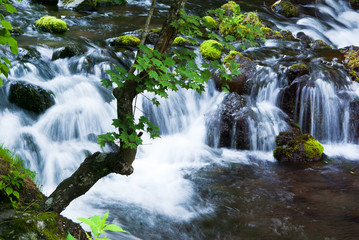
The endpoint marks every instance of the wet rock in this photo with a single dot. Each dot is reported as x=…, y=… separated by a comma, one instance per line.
x=297, y=70
x=51, y=24
x=126, y=41
x=320, y=44
x=30, y=97
x=287, y=35
x=285, y=8
x=16, y=31
x=271, y=34
x=304, y=39
x=303, y=2
x=295, y=148
x=239, y=84
x=233, y=131
x=67, y=52
x=354, y=119
x=289, y=94
x=46, y=2
x=27, y=54
x=89, y=5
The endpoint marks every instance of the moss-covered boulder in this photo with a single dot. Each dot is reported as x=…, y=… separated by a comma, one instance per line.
x=30, y=97
x=305, y=40
x=127, y=40
x=152, y=36
x=299, y=148
x=297, y=70
x=239, y=29
x=21, y=216
x=237, y=83
x=288, y=35
x=268, y=33
x=211, y=49
x=354, y=4
x=320, y=44
x=285, y=8
x=180, y=41
x=351, y=62
x=51, y=24
x=209, y=22
x=67, y=52
x=230, y=7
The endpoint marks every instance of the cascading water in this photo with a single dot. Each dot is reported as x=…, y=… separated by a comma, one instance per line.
x=172, y=194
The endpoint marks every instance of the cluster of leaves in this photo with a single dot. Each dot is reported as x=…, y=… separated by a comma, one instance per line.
x=98, y=226
x=6, y=39
x=11, y=182
x=163, y=72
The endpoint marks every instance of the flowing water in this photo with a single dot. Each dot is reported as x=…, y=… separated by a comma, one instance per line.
x=181, y=187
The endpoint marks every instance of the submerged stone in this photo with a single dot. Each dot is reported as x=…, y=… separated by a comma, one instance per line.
x=67, y=52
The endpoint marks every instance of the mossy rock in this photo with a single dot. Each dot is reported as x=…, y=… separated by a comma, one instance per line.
x=89, y=5
x=320, y=44
x=354, y=4
x=239, y=29
x=67, y=52
x=210, y=22
x=288, y=35
x=46, y=2
x=297, y=70
x=51, y=24
x=30, y=97
x=305, y=40
x=299, y=149
x=127, y=40
x=211, y=49
x=271, y=34
x=285, y=8
x=351, y=62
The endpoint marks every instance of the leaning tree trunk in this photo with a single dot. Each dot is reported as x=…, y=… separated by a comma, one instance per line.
x=99, y=165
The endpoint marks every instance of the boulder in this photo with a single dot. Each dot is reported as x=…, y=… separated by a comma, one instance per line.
x=351, y=62
x=303, y=2
x=304, y=39
x=297, y=148
x=271, y=34
x=51, y=24
x=320, y=44
x=30, y=97
x=288, y=35
x=233, y=129
x=354, y=119
x=47, y=2
x=67, y=52
x=89, y=5
x=285, y=8
x=237, y=83
x=126, y=40
x=209, y=22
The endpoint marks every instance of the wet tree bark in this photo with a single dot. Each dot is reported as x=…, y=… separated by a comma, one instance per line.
x=99, y=165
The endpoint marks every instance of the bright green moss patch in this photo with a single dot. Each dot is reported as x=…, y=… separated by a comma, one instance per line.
x=270, y=34
x=352, y=64
x=211, y=49
x=285, y=8
x=210, y=22
x=51, y=24
x=230, y=6
x=231, y=56
x=179, y=41
x=128, y=40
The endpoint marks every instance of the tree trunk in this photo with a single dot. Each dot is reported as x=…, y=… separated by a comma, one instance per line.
x=99, y=165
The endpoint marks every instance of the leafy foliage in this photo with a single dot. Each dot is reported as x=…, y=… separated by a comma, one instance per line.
x=98, y=226
x=6, y=39
x=161, y=72
x=10, y=183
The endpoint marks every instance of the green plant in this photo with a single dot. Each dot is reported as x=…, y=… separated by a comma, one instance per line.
x=98, y=226
x=6, y=39
x=12, y=181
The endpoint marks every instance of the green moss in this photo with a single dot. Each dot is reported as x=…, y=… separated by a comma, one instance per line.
x=156, y=30
x=51, y=24
x=320, y=44
x=231, y=56
x=252, y=19
x=299, y=67
x=230, y=6
x=211, y=49
x=313, y=148
x=210, y=22
x=179, y=41
x=270, y=34
x=128, y=40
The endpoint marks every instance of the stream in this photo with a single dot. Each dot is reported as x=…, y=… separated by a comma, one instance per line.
x=182, y=187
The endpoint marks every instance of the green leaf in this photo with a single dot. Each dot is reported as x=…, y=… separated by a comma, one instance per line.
x=114, y=228
x=16, y=194
x=70, y=237
x=9, y=190
x=10, y=8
